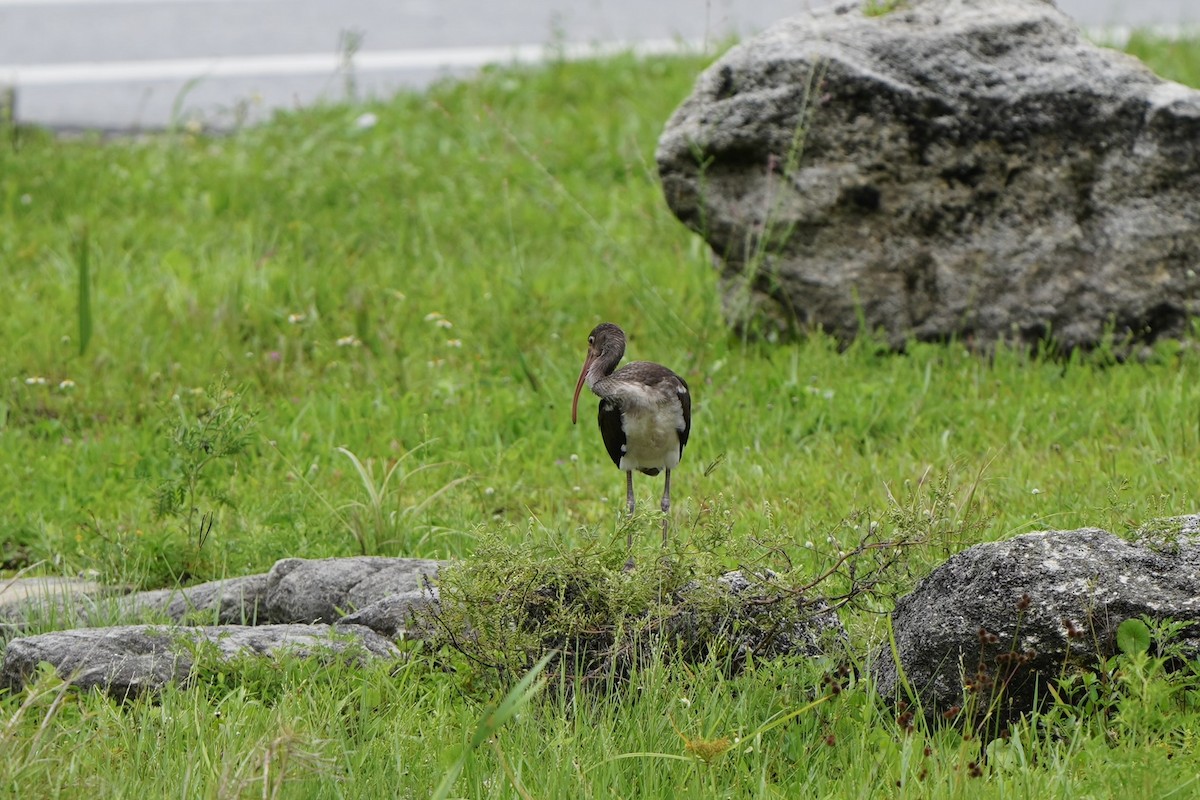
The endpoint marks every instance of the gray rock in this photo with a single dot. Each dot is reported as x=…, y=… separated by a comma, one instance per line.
x=962, y=624
x=397, y=616
x=968, y=168
x=51, y=601
x=295, y=590
x=19, y=593
x=234, y=601
x=133, y=660
x=758, y=618
x=300, y=590
x=65, y=602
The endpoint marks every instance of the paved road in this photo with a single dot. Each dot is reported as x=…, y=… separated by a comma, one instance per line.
x=130, y=64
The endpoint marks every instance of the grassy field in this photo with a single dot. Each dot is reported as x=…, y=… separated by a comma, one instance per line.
x=201, y=322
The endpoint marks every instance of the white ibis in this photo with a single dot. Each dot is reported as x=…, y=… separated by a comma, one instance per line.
x=645, y=412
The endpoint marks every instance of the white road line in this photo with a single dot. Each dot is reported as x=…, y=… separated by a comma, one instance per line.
x=1119, y=35
x=21, y=75
x=45, y=3
x=99, y=72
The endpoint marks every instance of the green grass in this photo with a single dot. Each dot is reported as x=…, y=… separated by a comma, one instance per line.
x=422, y=290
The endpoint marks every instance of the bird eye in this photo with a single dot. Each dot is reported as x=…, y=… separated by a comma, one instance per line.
x=591, y=340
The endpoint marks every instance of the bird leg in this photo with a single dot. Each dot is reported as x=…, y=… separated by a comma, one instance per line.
x=629, y=492
x=666, y=505
x=629, y=506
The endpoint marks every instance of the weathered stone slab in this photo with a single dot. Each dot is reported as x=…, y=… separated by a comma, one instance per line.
x=24, y=591
x=235, y=601
x=49, y=599
x=69, y=602
x=133, y=660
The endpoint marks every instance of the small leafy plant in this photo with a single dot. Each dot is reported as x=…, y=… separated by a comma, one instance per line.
x=1141, y=695
x=207, y=437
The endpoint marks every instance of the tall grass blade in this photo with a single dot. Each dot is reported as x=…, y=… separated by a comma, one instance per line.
x=82, y=261
x=8, y=113
x=516, y=699
x=788, y=717
x=364, y=475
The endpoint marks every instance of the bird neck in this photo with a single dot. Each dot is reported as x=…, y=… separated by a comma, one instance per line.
x=603, y=367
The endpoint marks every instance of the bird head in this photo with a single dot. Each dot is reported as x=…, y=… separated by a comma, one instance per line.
x=606, y=346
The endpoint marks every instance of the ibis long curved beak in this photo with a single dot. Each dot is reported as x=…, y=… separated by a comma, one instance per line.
x=587, y=364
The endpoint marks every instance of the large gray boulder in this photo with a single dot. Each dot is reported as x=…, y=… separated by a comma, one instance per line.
x=1000, y=620
x=133, y=660
x=955, y=168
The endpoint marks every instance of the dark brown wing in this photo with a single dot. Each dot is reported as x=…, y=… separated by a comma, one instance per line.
x=685, y=400
x=611, y=429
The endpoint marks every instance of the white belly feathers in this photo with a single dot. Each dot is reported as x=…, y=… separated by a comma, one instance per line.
x=651, y=429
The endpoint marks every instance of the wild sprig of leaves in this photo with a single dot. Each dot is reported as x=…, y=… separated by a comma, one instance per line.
x=509, y=605
x=513, y=602
x=206, y=434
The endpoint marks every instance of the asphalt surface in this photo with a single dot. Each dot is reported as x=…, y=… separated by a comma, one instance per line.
x=144, y=64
